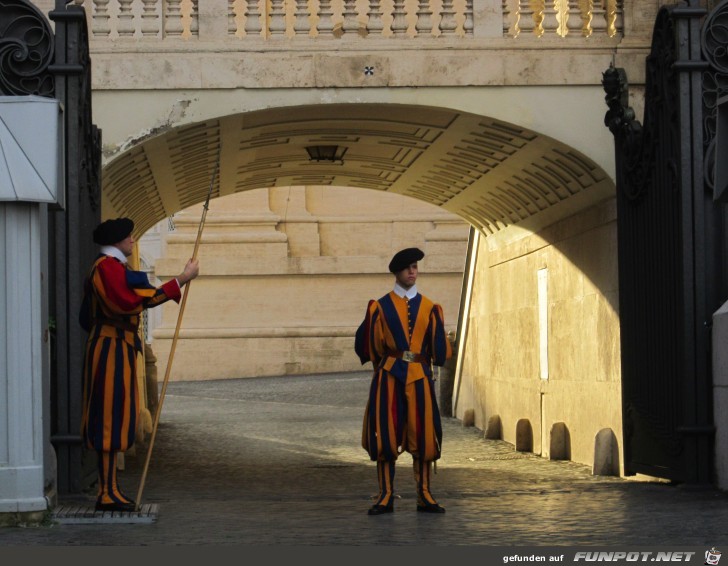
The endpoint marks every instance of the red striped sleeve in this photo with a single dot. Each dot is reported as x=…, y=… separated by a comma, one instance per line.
x=119, y=297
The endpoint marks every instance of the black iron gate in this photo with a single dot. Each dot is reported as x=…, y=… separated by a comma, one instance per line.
x=671, y=253
x=70, y=243
x=34, y=61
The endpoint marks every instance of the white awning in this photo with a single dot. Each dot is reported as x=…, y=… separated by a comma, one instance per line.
x=31, y=150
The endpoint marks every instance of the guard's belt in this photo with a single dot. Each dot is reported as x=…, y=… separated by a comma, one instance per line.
x=408, y=356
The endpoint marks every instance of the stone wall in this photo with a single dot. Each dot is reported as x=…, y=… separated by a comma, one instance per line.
x=545, y=375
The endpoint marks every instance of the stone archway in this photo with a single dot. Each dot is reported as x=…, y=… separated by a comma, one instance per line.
x=488, y=172
x=534, y=201
x=491, y=173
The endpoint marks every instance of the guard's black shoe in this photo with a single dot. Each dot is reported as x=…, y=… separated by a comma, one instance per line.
x=127, y=507
x=430, y=508
x=381, y=509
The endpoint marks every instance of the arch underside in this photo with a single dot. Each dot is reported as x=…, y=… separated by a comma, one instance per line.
x=491, y=173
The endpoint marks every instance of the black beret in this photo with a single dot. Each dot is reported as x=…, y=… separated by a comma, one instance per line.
x=110, y=232
x=404, y=258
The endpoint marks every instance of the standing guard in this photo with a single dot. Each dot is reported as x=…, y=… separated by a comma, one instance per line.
x=403, y=335
x=114, y=298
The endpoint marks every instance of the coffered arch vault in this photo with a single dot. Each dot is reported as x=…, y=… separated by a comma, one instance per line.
x=491, y=173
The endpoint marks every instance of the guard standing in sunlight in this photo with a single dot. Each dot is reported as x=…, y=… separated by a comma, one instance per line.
x=403, y=335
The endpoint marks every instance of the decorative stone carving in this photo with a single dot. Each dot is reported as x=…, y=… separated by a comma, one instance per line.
x=424, y=18
x=375, y=17
x=277, y=18
x=447, y=25
x=252, y=18
x=150, y=19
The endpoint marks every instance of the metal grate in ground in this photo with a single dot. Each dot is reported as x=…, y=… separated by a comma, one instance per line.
x=85, y=514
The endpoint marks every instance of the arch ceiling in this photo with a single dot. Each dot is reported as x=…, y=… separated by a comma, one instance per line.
x=491, y=173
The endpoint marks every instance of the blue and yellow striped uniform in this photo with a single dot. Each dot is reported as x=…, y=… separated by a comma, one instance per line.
x=401, y=412
x=114, y=298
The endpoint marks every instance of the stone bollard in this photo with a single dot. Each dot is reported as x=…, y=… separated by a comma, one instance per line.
x=493, y=429
x=606, y=454
x=559, y=442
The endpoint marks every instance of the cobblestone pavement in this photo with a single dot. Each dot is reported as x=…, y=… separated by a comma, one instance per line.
x=278, y=461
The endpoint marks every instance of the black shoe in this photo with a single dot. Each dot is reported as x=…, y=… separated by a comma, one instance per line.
x=124, y=507
x=381, y=509
x=430, y=508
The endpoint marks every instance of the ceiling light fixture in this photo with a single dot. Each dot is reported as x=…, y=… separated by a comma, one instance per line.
x=332, y=153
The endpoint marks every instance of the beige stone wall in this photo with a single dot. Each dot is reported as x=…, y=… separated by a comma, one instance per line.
x=501, y=373
x=287, y=273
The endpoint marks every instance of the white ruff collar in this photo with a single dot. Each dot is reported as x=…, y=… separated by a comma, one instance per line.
x=113, y=251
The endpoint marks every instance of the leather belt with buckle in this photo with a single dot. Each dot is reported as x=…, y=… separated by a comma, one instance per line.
x=408, y=356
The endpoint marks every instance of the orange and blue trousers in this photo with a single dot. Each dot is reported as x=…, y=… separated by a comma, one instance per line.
x=402, y=417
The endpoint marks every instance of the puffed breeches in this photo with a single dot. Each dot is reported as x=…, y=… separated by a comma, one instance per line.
x=401, y=418
x=110, y=395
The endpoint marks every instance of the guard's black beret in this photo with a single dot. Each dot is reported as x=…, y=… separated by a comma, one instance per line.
x=112, y=231
x=404, y=258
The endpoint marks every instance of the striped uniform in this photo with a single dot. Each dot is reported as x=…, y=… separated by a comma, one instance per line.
x=114, y=298
x=401, y=412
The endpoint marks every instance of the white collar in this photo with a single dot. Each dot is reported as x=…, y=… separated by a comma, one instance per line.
x=113, y=251
x=400, y=291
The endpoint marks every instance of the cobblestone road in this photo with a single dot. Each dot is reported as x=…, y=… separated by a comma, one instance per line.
x=278, y=461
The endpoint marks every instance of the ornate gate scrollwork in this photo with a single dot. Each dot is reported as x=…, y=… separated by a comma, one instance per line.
x=714, y=43
x=26, y=50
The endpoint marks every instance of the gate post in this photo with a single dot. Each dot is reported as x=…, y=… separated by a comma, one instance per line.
x=71, y=248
